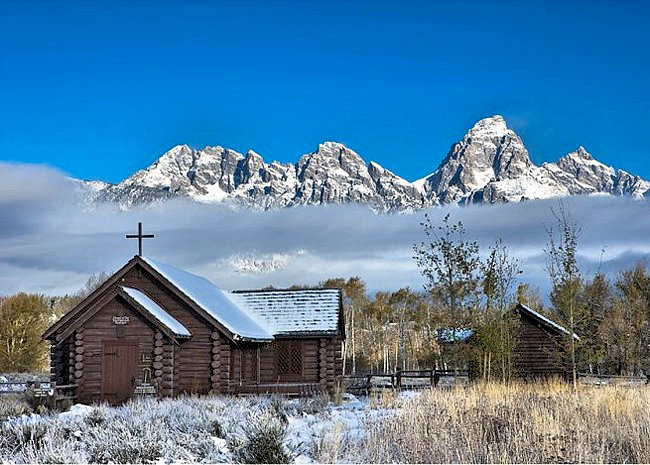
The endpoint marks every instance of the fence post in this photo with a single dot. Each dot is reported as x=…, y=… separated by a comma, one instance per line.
x=399, y=379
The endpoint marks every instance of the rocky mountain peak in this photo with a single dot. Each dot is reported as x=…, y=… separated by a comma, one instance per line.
x=489, y=164
x=494, y=126
x=581, y=153
x=488, y=152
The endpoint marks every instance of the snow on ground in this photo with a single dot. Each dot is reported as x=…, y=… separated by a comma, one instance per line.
x=195, y=429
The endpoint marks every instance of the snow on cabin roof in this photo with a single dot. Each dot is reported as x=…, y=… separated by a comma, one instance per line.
x=157, y=312
x=548, y=321
x=299, y=311
x=217, y=303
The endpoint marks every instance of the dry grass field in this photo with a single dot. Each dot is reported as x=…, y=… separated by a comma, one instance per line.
x=536, y=423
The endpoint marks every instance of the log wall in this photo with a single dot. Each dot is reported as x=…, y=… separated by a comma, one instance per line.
x=207, y=362
x=100, y=328
x=192, y=359
x=537, y=353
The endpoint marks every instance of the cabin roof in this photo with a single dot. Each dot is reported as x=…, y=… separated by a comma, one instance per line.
x=242, y=315
x=294, y=311
x=164, y=318
x=545, y=320
x=219, y=304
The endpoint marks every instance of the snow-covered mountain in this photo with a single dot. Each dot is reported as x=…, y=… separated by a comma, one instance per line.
x=490, y=165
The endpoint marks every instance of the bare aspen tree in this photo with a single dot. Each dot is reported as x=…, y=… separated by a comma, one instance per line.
x=562, y=266
x=450, y=264
x=496, y=333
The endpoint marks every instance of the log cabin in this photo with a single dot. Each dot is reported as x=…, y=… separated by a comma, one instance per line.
x=154, y=329
x=538, y=352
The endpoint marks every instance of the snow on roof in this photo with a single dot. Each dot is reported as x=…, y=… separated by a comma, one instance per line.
x=157, y=312
x=548, y=321
x=217, y=303
x=295, y=311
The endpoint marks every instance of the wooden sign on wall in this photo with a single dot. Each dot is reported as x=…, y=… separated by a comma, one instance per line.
x=121, y=320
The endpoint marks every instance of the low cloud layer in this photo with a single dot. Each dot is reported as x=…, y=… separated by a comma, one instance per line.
x=51, y=243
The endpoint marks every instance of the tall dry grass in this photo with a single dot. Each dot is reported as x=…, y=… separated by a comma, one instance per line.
x=535, y=423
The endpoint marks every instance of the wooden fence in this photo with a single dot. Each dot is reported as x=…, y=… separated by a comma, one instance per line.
x=401, y=379
x=45, y=391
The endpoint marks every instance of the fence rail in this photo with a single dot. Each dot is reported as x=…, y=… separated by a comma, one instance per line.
x=17, y=387
x=401, y=379
x=39, y=388
x=592, y=378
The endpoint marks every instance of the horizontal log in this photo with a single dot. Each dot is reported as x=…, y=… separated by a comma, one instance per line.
x=79, y=335
x=79, y=358
x=215, y=378
x=158, y=336
x=215, y=336
x=80, y=349
x=158, y=373
x=79, y=366
x=158, y=358
x=157, y=365
x=78, y=374
x=158, y=351
x=215, y=363
x=79, y=342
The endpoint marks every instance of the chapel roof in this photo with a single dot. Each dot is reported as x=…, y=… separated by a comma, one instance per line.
x=261, y=314
x=218, y=303
x=157, y=312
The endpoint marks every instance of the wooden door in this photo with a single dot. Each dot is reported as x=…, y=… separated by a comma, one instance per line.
x=119, y=369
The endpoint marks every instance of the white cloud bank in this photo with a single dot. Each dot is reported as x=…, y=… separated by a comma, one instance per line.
x=49, y=243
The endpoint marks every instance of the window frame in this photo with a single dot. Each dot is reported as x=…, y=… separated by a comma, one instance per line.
x=291, y=346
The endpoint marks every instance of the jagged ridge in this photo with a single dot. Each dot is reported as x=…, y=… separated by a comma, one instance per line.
x=489, y=165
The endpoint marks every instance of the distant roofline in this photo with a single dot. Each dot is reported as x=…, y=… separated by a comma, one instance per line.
x=241, y=291
x=546, y=320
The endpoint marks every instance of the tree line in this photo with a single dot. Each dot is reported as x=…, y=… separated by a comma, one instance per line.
x=463, y=316
x=466, y=295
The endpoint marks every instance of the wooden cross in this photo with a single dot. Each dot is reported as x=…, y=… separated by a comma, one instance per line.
x=139, y=237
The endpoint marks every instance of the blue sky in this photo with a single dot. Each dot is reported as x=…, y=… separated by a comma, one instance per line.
x=100, y=89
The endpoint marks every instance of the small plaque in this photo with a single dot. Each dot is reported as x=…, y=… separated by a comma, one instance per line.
x=145, y=389
x=43, y=390
x=121, y=320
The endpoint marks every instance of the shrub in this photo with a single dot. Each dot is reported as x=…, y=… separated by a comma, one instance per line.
x=263, y=442
x=96, y=417
x=312, y=405
x=13, y=406
x=127, y=439
x=18, y=435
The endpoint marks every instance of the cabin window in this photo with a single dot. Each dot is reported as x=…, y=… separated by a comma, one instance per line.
x=289, y=358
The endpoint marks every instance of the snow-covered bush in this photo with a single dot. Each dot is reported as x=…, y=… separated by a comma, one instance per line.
x=264, y=439
x=210, y=429
x=96, y=417
x=20, y=434
x=127, y=439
